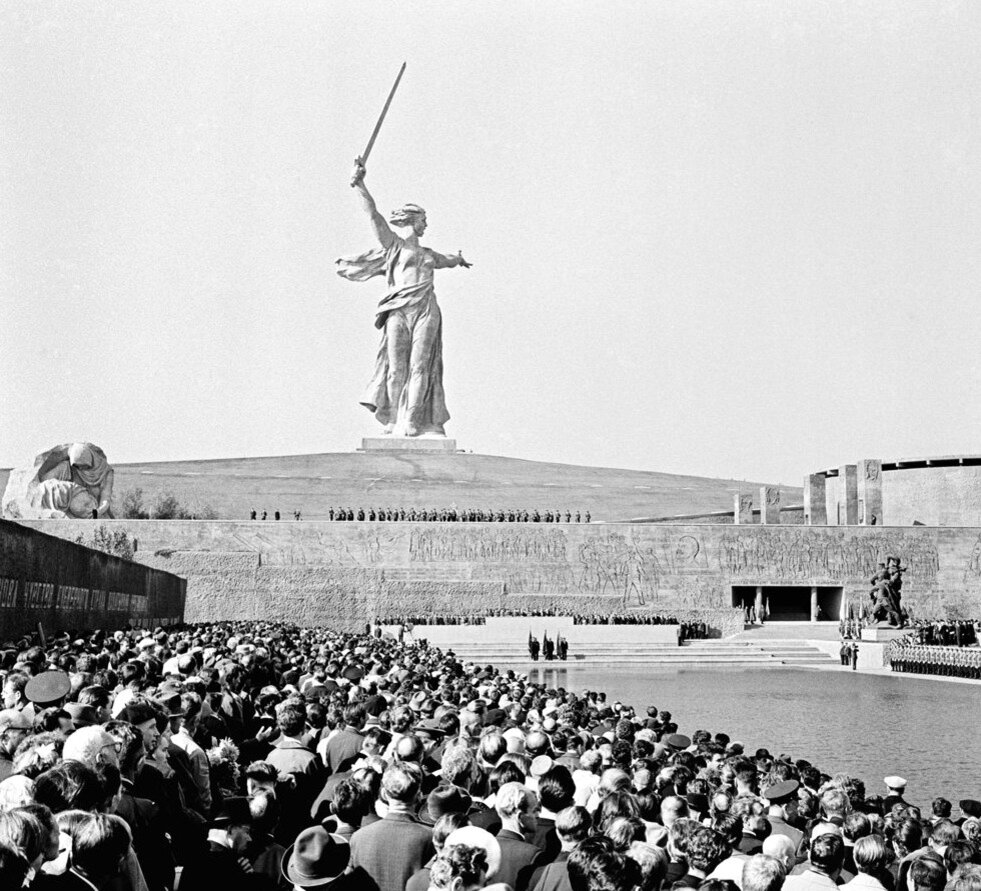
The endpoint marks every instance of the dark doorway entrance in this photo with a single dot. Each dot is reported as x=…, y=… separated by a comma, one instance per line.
x=791, y=603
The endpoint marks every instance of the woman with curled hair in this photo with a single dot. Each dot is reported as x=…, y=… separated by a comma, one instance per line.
x=459, y=868
x=445, y=826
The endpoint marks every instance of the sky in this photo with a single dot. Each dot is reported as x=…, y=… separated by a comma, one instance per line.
x=730, y=239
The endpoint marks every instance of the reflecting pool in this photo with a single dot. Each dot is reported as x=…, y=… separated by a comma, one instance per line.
x=866, y=725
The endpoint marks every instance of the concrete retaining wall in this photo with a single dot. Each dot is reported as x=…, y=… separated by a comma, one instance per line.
x=345, y=573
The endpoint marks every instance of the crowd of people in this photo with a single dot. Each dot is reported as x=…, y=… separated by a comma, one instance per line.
x=245, y=755
x=958, y=633
x=455, y=515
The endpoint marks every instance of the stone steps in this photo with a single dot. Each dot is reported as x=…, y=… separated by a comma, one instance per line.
x=698, y=652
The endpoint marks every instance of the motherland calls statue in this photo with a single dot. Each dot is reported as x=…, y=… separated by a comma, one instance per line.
x=71, y=481
x=406, y=392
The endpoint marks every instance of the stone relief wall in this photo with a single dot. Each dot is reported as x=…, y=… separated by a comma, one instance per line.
x=346, y=572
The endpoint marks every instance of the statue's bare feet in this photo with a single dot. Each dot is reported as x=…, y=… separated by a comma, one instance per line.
x=411, y=430
x=388, y=429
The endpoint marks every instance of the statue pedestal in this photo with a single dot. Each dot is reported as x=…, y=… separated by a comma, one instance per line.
x=438, y=444
x=883, y=635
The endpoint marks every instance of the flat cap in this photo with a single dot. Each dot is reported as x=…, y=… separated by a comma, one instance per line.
x=48, y=687
x=778, y=793
x=677, y=741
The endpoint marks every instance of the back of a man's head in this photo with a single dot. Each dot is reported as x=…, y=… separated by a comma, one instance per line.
x=69, y=786
x=556, y=788
x=492, y=748
x=927, y=874
x=944, y=833
x=99, y=844
x=673, y=808
x=573, y=824
x=871, y=854
x=401, y=783
x=856, y=826
x=781, y=848
x=593, y=865
x=763, y=873
x=512, y=799
x=827, y=852
x=86, y=745
x=409, y=748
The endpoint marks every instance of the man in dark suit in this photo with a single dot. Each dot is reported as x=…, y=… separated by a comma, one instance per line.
x=224, y=865
x=572, y=825
x=346, y=744
x=293, y=759
x=398, y=845
x=557, y=791
x=518, y=809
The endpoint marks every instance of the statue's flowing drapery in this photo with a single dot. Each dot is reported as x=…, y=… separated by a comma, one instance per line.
x=419, y=300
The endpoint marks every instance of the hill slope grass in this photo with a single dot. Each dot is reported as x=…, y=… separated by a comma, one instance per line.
x=313, y=484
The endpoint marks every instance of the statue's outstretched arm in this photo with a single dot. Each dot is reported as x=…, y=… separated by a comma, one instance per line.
x=383, y=233
x=448, y=261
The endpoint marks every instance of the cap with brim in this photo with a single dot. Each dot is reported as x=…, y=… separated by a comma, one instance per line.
x=233, y=811
x=429, y=726
x=82, y=715
x=444, y=800
x=316, y=858
x=11, y=718
x=697, y=802
x=48, y=687
x=894, y=782
x=970, y=807
x=781, y=792
x=677, y=741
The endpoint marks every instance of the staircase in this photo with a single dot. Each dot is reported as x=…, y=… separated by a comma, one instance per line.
x=764, y=653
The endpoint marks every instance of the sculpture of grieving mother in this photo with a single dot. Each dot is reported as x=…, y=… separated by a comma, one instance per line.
x=69, y=481
x=406, y=392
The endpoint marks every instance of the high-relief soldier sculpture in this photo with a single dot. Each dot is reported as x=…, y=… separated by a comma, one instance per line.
x=71, y=481
x=406, y=391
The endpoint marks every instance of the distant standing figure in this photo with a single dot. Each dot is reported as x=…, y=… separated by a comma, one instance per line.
x=264, y=515
x=252, y=514
x=854, y=656
x=276, y=515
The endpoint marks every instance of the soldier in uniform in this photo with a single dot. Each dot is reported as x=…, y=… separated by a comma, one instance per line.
x=533, y=647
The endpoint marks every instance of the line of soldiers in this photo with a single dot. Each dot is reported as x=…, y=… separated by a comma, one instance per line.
x=452, y=515
x=549, y=649
x=954, y=662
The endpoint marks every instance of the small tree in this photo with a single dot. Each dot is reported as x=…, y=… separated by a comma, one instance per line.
x=131, y=505
x=166, y=507
x=116, y=543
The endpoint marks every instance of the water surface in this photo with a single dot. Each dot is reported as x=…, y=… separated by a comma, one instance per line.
x=868, y=726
